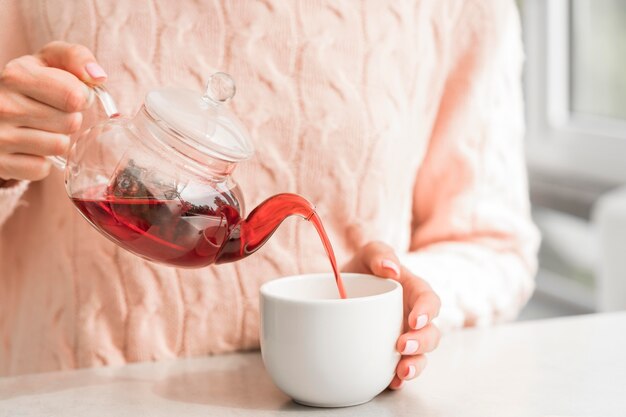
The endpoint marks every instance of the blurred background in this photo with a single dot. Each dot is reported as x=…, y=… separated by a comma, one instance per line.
x=575, y=88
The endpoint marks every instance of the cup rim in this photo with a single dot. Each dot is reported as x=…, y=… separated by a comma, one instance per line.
x=264, y=290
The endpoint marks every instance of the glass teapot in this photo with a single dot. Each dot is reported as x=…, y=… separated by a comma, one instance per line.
x=159, y=184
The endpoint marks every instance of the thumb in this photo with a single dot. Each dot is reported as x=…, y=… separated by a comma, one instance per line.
x=73, y=58
x=381, y=260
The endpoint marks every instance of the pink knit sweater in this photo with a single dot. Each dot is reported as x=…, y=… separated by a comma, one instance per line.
x=401, y=120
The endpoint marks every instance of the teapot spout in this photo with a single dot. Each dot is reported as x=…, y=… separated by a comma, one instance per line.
x=252, y=233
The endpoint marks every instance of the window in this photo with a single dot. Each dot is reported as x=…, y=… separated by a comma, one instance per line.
x=575, y=89
x=598, y=58
x=575, y=83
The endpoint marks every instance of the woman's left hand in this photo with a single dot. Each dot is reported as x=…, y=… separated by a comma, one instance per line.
x=421, y=305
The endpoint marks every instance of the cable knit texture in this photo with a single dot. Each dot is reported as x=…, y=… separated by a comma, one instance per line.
x=401, y=121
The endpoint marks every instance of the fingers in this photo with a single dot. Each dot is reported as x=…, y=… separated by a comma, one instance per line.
x=50, y=119
x=22, y=111
x=76, y=59
x=23, y=167
x=408, y=368
x=417, y=342
x=51, y=86
x=425, y=308
x=32, y=141
x=41, y=99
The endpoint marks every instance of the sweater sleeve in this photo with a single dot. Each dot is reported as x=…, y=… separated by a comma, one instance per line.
x=473, y=238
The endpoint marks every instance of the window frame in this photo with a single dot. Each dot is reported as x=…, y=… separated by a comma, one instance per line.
x=560, y=141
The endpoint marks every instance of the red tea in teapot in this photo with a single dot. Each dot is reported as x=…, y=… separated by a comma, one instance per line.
x=190, y=234
x=169, y=231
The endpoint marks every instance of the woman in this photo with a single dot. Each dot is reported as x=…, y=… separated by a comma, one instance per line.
x=402, y=122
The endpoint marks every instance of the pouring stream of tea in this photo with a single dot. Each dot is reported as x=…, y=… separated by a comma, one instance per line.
x=317, y=222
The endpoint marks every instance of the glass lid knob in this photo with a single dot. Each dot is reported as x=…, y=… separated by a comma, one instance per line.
x=220, y=88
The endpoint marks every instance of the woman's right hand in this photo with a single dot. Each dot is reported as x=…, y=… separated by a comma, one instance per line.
x=41, y=100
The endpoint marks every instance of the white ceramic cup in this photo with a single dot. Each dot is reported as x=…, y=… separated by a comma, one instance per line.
x=327, y=352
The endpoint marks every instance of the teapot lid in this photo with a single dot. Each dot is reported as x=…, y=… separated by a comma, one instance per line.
x=202, y=121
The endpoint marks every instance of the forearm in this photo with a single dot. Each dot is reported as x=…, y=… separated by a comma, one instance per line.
x=473, y=236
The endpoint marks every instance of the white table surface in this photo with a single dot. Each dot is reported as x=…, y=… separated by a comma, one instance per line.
x=562, y=367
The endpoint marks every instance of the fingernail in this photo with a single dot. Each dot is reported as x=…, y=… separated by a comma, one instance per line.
x=421, y=321
x=387, y=264
x=411, y=373
x=95, y=71
x=410, y=347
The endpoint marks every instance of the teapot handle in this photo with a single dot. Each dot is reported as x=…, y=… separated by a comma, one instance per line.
x=109, y=107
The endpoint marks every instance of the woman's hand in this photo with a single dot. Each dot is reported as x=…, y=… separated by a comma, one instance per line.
x=421, y=305
x=41, y=99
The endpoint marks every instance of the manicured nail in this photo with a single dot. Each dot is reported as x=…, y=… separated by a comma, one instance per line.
x=410, y=347
x=95, y=71
x=421, y=321
x=411, y=373
x=387, y=264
